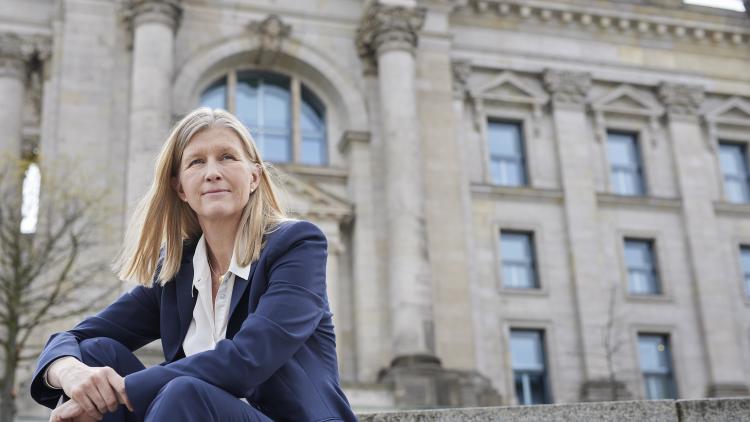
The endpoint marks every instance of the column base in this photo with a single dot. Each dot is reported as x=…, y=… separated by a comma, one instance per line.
x=420, y=381
x=604, y=390
x=728, y=390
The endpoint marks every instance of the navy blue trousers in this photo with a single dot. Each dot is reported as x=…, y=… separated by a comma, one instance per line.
x=182, y=399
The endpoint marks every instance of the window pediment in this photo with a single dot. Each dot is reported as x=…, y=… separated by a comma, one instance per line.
x=308, y=201
x=626, y=100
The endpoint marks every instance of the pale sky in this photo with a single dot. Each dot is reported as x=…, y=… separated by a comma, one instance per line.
x=724, y=4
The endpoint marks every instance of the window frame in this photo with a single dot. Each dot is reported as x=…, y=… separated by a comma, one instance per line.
x=537, y=232
x=655, y=271
x=508, y=113
x=670, y=341
x=637, y=137
x=533, y=264
x=296, y=84
x=744, y=278
x=745, y=150
x=661, y=261
x=523, y=160
x=544, y=332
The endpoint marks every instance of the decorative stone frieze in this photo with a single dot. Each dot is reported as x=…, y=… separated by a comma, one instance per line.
x=167, y=12
x=567, y=87
x=681, y=99
x=614, y=21
x=386, y=28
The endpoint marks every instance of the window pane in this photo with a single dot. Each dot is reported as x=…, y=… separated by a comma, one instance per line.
x=507, y=159
x=518, y=266
x=247, y=100
x=625, y=164
x=529, y=368
x=745, y=262
x=313, y=151
x=733, y=160
x=276, y=104
x=640, y=263
x=215, y=96
x=275, y=148
x=656, y=365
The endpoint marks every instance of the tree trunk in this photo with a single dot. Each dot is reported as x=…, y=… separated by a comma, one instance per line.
x=7, y=393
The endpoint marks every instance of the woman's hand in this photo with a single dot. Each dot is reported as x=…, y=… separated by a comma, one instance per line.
x=70, y=411
x=97, y=390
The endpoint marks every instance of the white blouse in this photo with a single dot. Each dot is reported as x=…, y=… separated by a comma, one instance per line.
x=209, y=324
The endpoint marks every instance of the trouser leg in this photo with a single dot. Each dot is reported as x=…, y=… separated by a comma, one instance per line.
x=193, y=400
x=102, y=351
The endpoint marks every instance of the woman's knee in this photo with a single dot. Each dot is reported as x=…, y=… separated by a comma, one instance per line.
x=101, y=351
x=183, y=386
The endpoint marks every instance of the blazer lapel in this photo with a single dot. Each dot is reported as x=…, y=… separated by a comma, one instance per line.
x=240, y=285
x=185, y=299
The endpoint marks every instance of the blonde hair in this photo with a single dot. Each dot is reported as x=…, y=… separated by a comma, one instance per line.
x=162, y=222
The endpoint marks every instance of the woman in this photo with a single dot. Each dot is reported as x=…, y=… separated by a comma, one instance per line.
x=233, y=288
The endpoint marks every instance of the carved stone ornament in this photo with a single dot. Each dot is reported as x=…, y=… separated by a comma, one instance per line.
x=386, y=28
x=732, y=113
x=167, y=12
x=567, y=87
x=680, y=99
x=18, y=52
x=271, y=31
x=461, y=70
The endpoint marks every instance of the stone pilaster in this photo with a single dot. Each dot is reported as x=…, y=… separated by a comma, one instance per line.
x=712, y=286
x=568, y=91
x=154, y=23
x=387, y=38
x=17, y=53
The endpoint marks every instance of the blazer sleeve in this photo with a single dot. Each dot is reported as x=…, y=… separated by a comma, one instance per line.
x=287, y=315
x=132, y=320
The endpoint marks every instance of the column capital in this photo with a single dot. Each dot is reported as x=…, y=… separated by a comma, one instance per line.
x=681, y=99
x=567, y=87
x=167, y=12
x=18, y=51
x=385, y=28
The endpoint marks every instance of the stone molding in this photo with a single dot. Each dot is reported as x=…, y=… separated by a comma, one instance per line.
x=567, y=87
x=167, y=12
x=681, y=99
x=615, y=21
x=385, y=28
x=734, y=112
x=18, y=51
x=350, y=137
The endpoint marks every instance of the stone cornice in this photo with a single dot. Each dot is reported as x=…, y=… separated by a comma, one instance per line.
x=167, y=12
x=680, y=99
x=385, y=28
x=567, y=87
x=616, y=21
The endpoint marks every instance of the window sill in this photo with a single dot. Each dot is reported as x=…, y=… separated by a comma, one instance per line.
x=523, y=291
x=314, y=171
x=517, y=192
x=651, y=202
x=659, y=298
x=738, y=209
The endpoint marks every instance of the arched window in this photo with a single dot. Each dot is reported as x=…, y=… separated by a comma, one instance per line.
x=286, y=119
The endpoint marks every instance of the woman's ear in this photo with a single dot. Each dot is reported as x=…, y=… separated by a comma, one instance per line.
x=175, y=182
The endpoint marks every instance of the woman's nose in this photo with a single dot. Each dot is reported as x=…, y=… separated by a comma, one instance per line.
x=212, y=171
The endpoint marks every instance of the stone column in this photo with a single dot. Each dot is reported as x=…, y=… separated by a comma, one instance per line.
x=13, y=72
x=387, y=38
x=154, y=24
x=568, y=91
x=713, y=288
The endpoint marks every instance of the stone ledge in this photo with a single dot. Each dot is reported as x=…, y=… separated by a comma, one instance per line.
x=732, y=409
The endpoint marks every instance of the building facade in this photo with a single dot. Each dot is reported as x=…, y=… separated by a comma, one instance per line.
x=525, y=201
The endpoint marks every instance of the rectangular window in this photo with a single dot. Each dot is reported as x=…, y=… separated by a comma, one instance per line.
x=507, y=157
x=625, y=164
x=733, y=159
x=656, y=366
x=745, y=262
x=529, y=366
x=640, y=260
x=518, y=260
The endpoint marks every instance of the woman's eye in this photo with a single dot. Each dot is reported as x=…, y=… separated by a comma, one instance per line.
x=196, y=161
x=227, y=156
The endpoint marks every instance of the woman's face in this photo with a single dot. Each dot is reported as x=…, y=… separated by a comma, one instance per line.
x=216, y=178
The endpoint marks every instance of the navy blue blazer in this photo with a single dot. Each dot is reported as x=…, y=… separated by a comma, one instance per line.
x=280, y=350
